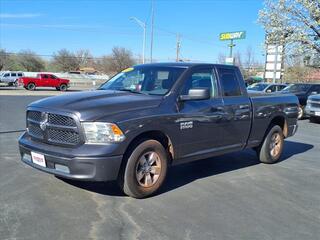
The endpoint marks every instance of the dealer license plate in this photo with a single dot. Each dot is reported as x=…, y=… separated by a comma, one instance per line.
x=38, y=159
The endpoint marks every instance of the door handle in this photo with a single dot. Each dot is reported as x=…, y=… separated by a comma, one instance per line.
x=245, y=106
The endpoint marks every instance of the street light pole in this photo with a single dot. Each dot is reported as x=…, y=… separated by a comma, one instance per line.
x=143, y=25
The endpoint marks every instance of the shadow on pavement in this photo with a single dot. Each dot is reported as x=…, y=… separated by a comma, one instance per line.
x=184, y=174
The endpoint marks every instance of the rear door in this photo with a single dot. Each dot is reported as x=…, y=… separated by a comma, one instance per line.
x=237, y=107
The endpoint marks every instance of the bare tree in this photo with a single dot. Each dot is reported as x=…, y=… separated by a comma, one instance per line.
x=84, y=58
x=249, y=58
x=65, y=61
x=120, y=59
x=29, y=61
x=221, y=58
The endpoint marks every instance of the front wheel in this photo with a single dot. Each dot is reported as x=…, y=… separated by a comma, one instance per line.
x=145, y=169
x=63, y=87
x=271, y=149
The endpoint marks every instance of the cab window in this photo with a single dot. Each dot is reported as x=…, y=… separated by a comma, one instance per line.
x=229, y=82
x=201, y=78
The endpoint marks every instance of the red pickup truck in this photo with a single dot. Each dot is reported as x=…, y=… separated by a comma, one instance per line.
x=44, y=80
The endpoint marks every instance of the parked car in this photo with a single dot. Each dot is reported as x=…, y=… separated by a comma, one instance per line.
x=44, y=80
x=10, y=78
x=313, y=108
x=302, y=91
x=266, y=87
x=151, y=116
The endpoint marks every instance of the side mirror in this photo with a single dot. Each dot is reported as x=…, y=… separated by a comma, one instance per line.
x=269, y=91
x=313, y=93
x=196, y=94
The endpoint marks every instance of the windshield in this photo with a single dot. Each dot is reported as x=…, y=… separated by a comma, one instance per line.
x=257, y=86
x=296, y=88
x=145, y=79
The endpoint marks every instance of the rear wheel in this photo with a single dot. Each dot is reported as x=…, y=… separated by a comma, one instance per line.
x=31, y=86
x=63, y=87
x=271, y=149
x=145, y=169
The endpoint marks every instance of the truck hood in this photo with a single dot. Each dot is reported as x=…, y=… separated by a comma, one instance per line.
x=93, y=105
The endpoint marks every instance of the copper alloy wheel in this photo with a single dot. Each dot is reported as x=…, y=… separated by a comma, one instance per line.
x=275, y=144
x=148, y=169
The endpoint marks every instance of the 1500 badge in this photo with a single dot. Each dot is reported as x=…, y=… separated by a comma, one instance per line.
x=186, y=125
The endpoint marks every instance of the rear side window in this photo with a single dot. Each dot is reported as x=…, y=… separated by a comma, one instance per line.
x=229, y=82
x=316, y=89
x=13, y=74
x=45, y=76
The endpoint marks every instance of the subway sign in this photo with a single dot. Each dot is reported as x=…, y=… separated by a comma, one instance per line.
x=232, y=35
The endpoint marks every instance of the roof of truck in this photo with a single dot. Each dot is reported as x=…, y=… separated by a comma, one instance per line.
x=180, y=64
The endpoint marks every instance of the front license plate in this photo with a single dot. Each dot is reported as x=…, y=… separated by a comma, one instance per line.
x=38, y=159
x=317, y=113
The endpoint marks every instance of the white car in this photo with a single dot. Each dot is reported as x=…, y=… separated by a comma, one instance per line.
x=10, y=78
x=266, y=87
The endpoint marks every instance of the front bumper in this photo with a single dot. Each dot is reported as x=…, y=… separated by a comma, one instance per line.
x=82, y=167
x=313, y=112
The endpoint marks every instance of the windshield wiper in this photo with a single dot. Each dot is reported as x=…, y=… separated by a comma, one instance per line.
x=130, y=90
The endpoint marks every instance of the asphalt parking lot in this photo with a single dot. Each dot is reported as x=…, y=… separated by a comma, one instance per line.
x=227, y=197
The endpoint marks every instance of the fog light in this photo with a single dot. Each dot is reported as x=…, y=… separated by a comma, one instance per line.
x=27, y=157
x=61, y=168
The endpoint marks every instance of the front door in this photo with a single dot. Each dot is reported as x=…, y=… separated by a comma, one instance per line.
x=199, y=120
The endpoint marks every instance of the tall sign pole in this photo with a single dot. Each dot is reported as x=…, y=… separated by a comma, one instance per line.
x=151, y=38
x=226, y=36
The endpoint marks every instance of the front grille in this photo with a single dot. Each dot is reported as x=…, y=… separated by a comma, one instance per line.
x=61, y=120
x=35, y=131
x=56, y=129
x=63, y=136
x=34, y=115
x=315, y=105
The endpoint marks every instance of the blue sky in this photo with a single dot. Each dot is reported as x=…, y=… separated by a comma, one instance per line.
x=47, y=26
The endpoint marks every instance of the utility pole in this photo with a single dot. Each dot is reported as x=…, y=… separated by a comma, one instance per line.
x=231, y=46
x=152, y=23
x=144, y=26
x=178, y=48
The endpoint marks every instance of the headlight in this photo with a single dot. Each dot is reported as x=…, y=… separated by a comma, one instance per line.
x=99, y=132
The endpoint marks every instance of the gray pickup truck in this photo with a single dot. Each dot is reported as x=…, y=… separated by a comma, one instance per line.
x=151, y=116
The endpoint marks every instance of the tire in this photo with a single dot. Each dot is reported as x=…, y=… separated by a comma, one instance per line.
x=300, y=112
x=57, y=88
x=31, y=86
x=271, y=149
x=138, y=178
x=63, y=87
